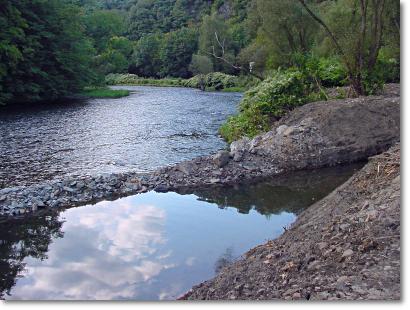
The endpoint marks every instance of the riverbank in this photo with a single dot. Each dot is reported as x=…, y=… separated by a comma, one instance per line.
x=104, y=92
x=316, y=135
x=346, y=246
x=214, y=81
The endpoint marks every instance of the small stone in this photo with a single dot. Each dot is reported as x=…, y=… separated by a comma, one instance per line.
x=161, y=188
x=322, y=245
x=372, y=215
x=143, y=189
x=313, y=265
x=281, y=129
x=221, y=158
x=186, y=167
x=342, y=279
x=347, y=253
x=237, y=156
x=296, y=295
x=67, y=189
x=80, y=184
x=239, y=287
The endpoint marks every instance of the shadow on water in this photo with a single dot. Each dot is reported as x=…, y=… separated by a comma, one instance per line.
x=287, y=193
x=151, y=246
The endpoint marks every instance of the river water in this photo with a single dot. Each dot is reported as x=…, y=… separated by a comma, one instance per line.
x=153, y=127
x=152, y=246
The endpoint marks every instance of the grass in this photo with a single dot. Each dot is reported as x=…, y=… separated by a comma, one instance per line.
x=236, y=89
x=105, y=93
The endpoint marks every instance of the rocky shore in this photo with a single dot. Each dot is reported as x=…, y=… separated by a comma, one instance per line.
x=344, y=247
x=315, y=135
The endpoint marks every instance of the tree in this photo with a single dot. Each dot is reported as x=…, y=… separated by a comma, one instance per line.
x=116, y=58
x=102, y=25
x=43, y=50
x=146, y=56
x=201, y=65
x=176, y=52
x=150, y=16
x=214, y=41
x=356, y=35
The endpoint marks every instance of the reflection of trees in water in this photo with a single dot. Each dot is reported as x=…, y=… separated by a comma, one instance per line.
x=224, y=260
x=292, y=193
x=22, y=238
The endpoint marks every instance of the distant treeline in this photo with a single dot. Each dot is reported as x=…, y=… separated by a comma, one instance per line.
x=56, y=47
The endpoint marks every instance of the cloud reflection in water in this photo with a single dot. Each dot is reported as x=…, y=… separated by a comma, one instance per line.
x=147, y=247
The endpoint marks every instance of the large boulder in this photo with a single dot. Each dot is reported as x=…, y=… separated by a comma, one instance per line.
x=327, y=133
x=221, y=158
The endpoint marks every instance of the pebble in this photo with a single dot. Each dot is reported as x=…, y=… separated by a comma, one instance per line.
x=347, y=253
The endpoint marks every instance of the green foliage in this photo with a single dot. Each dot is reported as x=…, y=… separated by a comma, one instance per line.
x=331, y=72
x=44, y=53
x=176, y=52
x=170, y=54
x=102, y=25
x=327, y=72
x=201, y=64
x=214, y=37
x=163, y=16
x=132, y=79
x=214, y=80
x=116, y=58
x=52, y=48
x=266, y=102
x=385, y=71
x=146, y=56
x=105, y=93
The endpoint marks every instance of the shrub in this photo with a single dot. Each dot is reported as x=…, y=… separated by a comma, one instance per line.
x=327, y=72
x=267, y=102
x=385, y=71
x=132, y=79
x=214, y=81
x=331, y=72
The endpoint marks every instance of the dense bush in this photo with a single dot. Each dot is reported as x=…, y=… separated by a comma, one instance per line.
x=326, y=72
x=44, y=52
x=132, y=79
x=331, y=72
x=267, y=102
x=214, y=80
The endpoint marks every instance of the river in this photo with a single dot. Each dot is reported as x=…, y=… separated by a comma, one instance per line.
x=153, y=127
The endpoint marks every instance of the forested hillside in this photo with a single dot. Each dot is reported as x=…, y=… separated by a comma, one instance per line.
x=53, y=48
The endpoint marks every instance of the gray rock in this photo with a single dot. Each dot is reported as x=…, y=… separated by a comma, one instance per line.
x=186, y=167
x=68, y=189
x=281, y=129
x=221, y=158
x=161, y=188
x=132, y=186
x=347, y=253
x=241, y=145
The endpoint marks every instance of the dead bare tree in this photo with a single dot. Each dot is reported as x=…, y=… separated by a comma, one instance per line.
x=223, y=58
